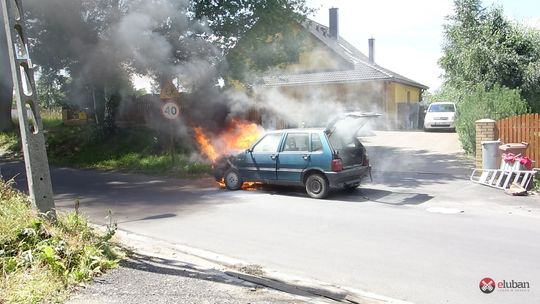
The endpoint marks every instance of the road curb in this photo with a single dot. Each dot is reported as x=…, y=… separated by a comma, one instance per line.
x=265, y=277
x=329, y=292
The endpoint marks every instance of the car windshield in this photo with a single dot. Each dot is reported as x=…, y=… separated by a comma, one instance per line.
x=447, y=107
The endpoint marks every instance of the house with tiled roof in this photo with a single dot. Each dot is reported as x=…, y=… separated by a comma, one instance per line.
x=330, y=68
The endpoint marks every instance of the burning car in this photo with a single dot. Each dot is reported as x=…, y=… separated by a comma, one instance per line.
x=317, y=158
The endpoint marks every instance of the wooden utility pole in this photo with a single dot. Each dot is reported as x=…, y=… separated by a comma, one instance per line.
x=33, y=141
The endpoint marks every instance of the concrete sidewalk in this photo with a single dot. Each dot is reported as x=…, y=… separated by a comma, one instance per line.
x=160, y=272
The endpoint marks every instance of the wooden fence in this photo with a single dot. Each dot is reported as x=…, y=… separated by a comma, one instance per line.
x=522, y=128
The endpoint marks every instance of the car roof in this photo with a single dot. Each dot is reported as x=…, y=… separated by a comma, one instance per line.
x=443, y=102
x=296, y=130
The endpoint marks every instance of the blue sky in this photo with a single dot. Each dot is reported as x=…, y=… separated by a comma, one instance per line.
x=408, y=34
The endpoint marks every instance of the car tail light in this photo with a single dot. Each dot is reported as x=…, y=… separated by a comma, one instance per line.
x=337, y=165
x=365, y=162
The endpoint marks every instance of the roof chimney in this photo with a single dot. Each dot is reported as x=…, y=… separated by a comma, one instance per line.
x=371, y=42
x=334, y=23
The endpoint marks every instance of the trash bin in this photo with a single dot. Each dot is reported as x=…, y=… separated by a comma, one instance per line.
x=514, y=148
x=490, y=154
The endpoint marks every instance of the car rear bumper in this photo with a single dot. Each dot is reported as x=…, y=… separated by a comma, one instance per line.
x=349, y=176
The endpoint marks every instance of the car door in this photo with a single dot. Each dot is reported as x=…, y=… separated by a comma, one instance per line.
x=320, y=156
x=294, y=156
x=261, y=159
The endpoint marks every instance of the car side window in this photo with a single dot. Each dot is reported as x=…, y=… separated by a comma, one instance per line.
x=296, y=142
x=316, y=143
x=269, y=143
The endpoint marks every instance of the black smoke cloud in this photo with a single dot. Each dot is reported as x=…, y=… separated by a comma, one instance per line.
x=101, y=43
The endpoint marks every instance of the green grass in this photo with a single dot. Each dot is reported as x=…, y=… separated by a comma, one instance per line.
x=40, y=260
x=10, y=144
x=154, y=164
x=134, y=149
x=51, y=117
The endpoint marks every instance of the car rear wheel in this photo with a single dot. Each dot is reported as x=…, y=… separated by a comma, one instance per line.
x=233, y=180
x=317, y=186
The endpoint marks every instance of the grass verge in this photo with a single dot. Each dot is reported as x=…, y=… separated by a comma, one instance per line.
x=40, y=260
x=134, y=149
x=9, y=143
x=137, y=149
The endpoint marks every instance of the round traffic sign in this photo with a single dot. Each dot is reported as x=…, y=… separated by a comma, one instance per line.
x=170, y=110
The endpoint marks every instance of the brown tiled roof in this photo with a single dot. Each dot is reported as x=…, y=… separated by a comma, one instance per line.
x=363, y=70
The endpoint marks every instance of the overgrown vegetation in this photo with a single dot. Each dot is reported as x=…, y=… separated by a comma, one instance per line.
x=536, y=183
x=496, y=103
x=51, y=117
x=137, y=149
x=40, y=260
x=84, y=146
x=9, y=143
x=486, y=56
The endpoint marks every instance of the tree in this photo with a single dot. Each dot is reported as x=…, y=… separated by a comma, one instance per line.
x=70, y=38
x=230, y=20
x=255, y=35
x=482, y=47
x=52, y=88
x=6, y=82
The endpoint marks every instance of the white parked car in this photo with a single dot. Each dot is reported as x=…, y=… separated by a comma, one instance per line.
x=440, y=115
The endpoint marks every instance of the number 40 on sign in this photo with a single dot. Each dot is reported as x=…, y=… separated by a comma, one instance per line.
x=170, y=110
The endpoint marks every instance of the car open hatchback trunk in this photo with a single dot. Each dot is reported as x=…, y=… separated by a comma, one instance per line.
x=342, y=133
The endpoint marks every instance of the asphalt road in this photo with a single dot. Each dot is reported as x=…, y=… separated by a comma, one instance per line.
x=419, y=232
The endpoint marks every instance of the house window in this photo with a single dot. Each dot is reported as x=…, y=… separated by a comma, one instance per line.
x=408, y=96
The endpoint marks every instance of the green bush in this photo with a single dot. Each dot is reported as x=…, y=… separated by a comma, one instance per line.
x=10, y=143
x=496, y=104
x=536, y=182
x=39, y=260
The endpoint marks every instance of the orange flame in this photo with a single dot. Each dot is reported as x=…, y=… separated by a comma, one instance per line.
x=237, y=135
x=206, y=147
x=240, y=134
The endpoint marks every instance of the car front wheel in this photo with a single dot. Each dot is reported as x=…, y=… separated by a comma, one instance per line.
x=233, y=180
x=317, y=186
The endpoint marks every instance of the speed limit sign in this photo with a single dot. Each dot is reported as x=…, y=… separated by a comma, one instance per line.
x=170, y=110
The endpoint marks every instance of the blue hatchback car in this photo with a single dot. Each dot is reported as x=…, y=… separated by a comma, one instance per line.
x=318, y=159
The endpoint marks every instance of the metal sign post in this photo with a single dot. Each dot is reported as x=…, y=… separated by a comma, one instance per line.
x=171, y=111
x=33, y=141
